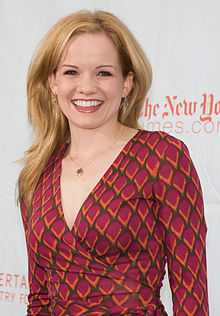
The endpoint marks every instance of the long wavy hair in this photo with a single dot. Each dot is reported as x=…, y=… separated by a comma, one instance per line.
x=50, y=126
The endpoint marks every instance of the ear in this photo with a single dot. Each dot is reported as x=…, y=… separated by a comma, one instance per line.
x=53, y=83
x=128, y=84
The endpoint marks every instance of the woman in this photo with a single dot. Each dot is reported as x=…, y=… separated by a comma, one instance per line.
x=105, y=204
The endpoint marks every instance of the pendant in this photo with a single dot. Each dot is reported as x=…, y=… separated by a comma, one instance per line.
x=79, y=171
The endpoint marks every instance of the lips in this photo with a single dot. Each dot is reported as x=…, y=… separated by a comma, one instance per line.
x=86, y=103
x=87, y=106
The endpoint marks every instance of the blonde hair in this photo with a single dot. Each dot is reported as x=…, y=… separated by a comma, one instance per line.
x=50, y=126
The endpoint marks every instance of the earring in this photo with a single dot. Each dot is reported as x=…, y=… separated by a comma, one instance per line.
x=54, y=99
x=55, y=106
x=124, y=105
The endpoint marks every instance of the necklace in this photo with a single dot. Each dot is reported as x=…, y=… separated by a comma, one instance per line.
x=80, y=170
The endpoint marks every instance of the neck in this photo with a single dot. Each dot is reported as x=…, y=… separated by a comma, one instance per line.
x=86, y=142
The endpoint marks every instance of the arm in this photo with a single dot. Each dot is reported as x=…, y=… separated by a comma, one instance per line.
x=182, y=217
x=38, y=300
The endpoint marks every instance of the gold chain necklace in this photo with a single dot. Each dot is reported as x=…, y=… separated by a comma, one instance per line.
x=80, y=169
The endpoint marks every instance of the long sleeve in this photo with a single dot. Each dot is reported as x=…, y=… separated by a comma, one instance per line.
x=38, y=300
x=181, y=214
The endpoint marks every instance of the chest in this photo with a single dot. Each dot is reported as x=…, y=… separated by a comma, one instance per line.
x=110, y=211
x=76, y=189
x=106, y=209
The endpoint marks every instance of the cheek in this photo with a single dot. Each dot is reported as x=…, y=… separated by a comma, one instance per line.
x=64, y=87
x=64, y=95
x=113, y=90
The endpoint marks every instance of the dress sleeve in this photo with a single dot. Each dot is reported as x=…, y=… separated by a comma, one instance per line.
x=38, y=299
x=181, y=213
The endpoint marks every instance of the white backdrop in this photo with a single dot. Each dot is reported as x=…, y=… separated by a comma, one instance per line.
x=181, y=39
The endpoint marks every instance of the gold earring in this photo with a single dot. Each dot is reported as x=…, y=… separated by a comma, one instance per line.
x=54, y=99
x=55, y=106
x=124, y=105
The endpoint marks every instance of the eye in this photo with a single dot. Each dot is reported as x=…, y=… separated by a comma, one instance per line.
x=70, y=72
x=104, y=73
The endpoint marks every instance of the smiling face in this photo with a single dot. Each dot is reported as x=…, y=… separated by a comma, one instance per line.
x=88, y=82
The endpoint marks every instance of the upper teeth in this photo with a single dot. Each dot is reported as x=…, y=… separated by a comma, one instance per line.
x=86, y=103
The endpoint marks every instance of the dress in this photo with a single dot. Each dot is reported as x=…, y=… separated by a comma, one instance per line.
x=144, y=212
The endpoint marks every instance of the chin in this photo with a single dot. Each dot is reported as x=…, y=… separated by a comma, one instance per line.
x=84, y=125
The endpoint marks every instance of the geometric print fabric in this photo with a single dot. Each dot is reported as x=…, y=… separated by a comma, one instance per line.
x=145, y=212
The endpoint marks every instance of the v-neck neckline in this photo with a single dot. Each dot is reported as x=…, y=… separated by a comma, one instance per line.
x=59, y=169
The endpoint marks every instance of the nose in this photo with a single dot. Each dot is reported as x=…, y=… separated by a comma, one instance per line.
x=86, y=84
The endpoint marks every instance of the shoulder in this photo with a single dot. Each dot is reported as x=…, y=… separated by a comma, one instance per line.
x=55, y=157
x=162, y=154
x=51, y=167
x=162, y=143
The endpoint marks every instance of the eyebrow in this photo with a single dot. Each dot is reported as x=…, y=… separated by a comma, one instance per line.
x=101, y=66
x=105, y=66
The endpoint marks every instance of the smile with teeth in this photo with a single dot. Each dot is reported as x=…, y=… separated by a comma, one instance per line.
x=86, y=103
x=87, y=106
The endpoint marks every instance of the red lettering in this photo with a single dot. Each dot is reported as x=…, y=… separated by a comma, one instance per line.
x=217, y=108
x=170, y=105
x=8, y=280
x=207, y=107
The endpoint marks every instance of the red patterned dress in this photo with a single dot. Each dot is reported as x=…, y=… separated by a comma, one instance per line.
x=145, y=211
